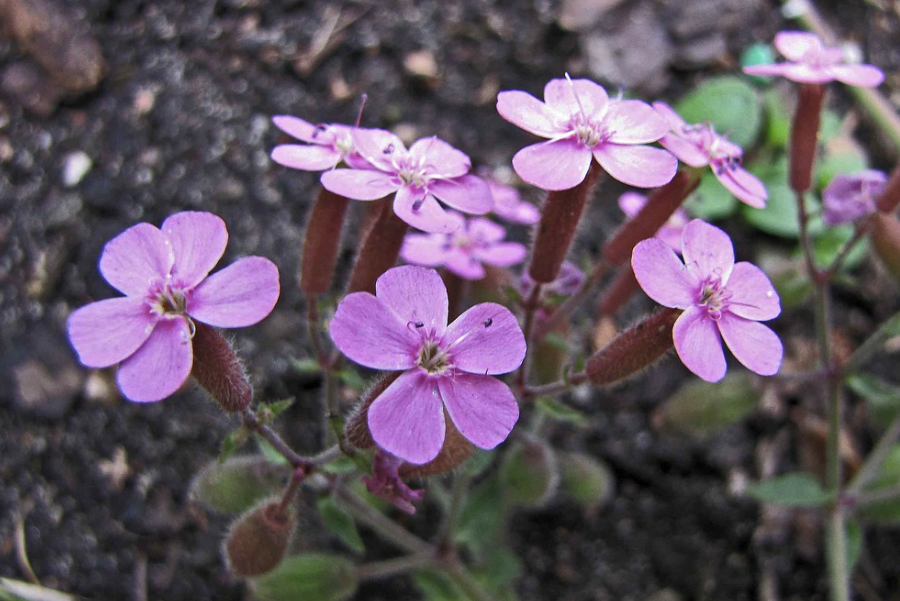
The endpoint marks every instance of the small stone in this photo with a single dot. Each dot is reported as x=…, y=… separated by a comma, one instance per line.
x=421, y=63
x=43, y=392
x=27, y=86
x=75, y=166
x=580, y=15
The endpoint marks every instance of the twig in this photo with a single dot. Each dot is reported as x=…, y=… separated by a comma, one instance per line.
x=391, y=567
x=385, y=527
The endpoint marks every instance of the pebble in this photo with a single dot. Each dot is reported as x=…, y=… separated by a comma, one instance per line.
x=75, y=166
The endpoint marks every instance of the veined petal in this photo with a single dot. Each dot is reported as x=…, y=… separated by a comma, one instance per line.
x=794, y=44
x=707, y=250
x=306, y=158
x=295, y=126
x=529, y=113
x=425, y=249
x=576, y=96
x=752, y=294
x=744, y=185
x=161, y=365
x=662, y=275
x=556, y=165
x=486, y=339
x=360, y=184
x=483, y=408
x=108, y=331
x=756, y=346
x=198, y=241
x=468, y=193
x=443, y=159
x=639, y=166
x=378, y=146
x=238, y=296
x=415, y=295
x=698, y=344
x=634, y=122
x=407, y=419
x=684, y=150
x=134, y=258
x=420, y=210
x=371, y=334
x=502, y=254
x=864, y=76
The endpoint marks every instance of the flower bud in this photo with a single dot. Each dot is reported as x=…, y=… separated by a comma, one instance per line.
x=379, y=250
x=559, y=220
x=589, y=481
x=357, y=428
x=218, y=370
x=322, y=241
x=259, y=539
x=890, y=197
x=886, y=241
x=234, y=485
x=530, y=473
x=634, y=349
x=456, y=449
x=805, y=135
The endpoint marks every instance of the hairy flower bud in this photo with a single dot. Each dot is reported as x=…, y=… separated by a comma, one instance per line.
x=218, y=370
x=890, y=196
x=886, y=241
x=805, y=135
x=634, y=349
x=322, y=241
x=379, y=250
x=259, y=539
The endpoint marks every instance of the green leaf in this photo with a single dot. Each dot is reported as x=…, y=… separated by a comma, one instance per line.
x=840, y=159
x=887, y=511
x=702, y=407
x=778, y=120
x=587, y=480
x=882, y=397
x=779, y=217
x=16, y=590
x=797, y=490
x=481, y=520
x=308, y=577
x=557, y=341
x=500, y=569
x=340, y=523
x=829, y=243
x=793, y=286
x=341, y=465
x=434, y=586
x=306, y=366
x=560, y=412
x=269, y=452
x=352, y=379
x=711, y=200
x=729, y=103
x=854, y=539
x=232, y=442
x=237, y=484
x=757, y=54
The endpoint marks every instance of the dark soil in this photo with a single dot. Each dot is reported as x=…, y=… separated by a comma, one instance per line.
x=182, y=121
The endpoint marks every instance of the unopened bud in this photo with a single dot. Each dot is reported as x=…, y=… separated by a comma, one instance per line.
x=259, y=539
x=890, y=197
x=379, y=250
x=560, y=216
x=357, y=428
x=456, y=449
x=634, y=349
x=805, y=135
x=530, y=473
x=885, y=235
x=218, y=370
x=322, y=241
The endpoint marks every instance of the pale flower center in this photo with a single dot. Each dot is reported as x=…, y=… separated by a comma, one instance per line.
x=433, y=359
x=714, y=296
x=587, y=131
x=168, y=299
x=410, y=171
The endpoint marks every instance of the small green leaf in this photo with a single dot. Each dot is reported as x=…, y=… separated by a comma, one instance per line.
x=711, y=200
x=340, y=523
x=757, y=54
x=501, y=568
x=308, y=577
x=779, y=217
x=481, y=520
x=512, y=295
x=557, y=341
x=237, y=484
x=882, y=397
x=306, y=366
x=232, y=442
x=887, y=511
x=798, y=490
x=268, y=412
x=560, y=412
x=587, y=480
x=854, y=537
x=729, y=103
x=778, y=120
x=434, y=586
x=352, y=379
x=269, y=452
x=341, y=465
x=702, y=407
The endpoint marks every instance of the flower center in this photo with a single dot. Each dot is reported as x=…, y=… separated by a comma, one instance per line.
x=168, y=299
x=818, y=58
x=410, y=171
x=714, y=296
x=433, y=359
x=587, y=131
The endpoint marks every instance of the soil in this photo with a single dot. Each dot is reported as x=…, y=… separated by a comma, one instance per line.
x=181, y=121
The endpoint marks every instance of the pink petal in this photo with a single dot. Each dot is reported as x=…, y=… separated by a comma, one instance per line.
x=134, y=258
x=469, y=193
x=662, y=275
x=806, y=74
x=483, y=408
x=378, y=146
x=443, y=159
x=673, y=119
x=486, y=339
x=296, y=127
x=198, y=242
x=306, y=158
x=557, y=165
x=631, y=203
x=529, y=113
x=425, y=249
x=407, y=419
x=707, y=250
x=684, y=150
x=638, y=166
x=743, y=184
x=794, y=44
x=360, y=184
x=423, y=212
x=509, y=206
x=634, y=122
x=106, y=332
x=576, y=97
x=486, y=230
x=238, y=296
x=369, y=333
x=503, y=254
x=161, y=365
x=753, y=296
x=773, y=70
x=864, y=76
x=416, y=295
x=464, y=265
x=698, y=344
x=756, y=346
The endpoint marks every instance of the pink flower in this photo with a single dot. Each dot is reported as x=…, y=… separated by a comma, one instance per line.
x=326, y=146
x=581, y=122
x=477, y=241
x=509, y=205
x=447, y=369
x=849, y=197
x=567, y=283
x=385, y=482
x=814, y=62
x=631, y=204
x=430, y=169
x=699, y=145
x=721, y=300
x=163, y=273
